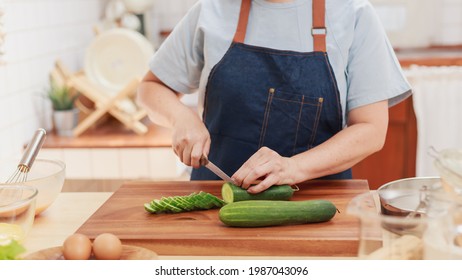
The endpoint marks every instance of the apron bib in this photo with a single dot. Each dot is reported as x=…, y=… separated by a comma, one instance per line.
x=285, y=100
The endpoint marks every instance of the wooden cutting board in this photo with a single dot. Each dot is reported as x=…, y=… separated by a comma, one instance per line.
x=201, y=233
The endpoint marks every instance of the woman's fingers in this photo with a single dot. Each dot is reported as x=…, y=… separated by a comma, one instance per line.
x=269, y=181
x=190, y=142
x=267, y=166
x=248, y=167
x=196, y=154
x=260, y=165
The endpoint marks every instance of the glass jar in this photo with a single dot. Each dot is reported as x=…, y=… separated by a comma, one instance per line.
x=393, y=222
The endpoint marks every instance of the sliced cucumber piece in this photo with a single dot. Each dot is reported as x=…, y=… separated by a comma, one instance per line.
x=177, y=204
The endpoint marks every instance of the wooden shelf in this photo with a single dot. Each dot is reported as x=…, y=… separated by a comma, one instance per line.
x=112, y=134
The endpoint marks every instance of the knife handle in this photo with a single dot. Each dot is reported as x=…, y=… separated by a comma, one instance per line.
x=203, y=160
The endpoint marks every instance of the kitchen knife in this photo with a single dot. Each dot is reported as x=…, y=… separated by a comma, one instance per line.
x=215, y=169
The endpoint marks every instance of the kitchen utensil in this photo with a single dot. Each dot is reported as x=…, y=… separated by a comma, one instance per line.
x=24, y=166
x=422, y=206
x=407, y=197
x=381, y=235
x=204, y=161
x=47, y=175
x=28, y=158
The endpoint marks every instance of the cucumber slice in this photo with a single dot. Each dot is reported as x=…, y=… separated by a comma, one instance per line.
x=215, y=200
x=197, y=201
x=169, y=207
x=186, y=205
x=191, y=202
x=149, y=208
x=208, y=200
x=155, y=204
x=171, y=201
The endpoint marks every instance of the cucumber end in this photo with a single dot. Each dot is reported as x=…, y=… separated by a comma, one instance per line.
x=227, y=193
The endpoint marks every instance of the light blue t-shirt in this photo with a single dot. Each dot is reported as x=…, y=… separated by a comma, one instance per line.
x=363, y=60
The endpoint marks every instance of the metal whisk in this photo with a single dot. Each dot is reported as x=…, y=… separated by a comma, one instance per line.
x=20, y=175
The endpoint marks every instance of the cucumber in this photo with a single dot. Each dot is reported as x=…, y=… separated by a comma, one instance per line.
x=149, y=208
x=263, y=213
x=177, y=204
x=232, y=193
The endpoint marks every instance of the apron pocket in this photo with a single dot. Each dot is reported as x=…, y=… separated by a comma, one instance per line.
x=290, y=122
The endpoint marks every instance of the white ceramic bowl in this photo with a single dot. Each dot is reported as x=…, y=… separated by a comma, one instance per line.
x=46, y=175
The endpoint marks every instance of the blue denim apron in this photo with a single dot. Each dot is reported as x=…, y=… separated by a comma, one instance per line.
x=287, y=101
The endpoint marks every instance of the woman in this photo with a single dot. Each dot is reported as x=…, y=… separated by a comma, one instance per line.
x=289, y=90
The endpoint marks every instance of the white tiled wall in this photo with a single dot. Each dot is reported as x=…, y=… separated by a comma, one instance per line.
x=37, y=33
x=449, y=25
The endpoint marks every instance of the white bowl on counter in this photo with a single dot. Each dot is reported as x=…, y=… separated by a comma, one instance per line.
x=46, y=175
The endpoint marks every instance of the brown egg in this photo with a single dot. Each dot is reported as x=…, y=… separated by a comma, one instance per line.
x=107, y=246
x=77, y=247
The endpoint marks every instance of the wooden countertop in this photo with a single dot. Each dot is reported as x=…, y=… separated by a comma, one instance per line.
x=63, y=218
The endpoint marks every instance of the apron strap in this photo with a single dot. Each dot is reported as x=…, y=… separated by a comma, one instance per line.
x=318, y=31
x=243, y=20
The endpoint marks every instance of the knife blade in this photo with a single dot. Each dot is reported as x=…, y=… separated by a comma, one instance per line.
x=215, y=169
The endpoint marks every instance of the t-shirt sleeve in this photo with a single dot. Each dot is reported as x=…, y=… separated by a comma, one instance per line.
x=179, y=60
x=373, y=71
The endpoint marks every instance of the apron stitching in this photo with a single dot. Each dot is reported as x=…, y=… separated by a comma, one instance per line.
x=316, y=123
x=298, y=102
x=298, y=124
x=266, y=118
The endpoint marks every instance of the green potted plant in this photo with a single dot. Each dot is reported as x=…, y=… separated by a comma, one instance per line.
x=65, y=115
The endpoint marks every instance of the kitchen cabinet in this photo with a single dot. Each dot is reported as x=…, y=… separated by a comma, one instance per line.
x=398, y=157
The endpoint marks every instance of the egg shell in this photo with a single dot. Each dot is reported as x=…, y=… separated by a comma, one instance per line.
x=107, y=246
x=77, y=247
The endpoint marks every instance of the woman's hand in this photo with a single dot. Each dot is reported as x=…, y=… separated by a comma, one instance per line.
x=190, y=139
x=267, y=165
x=190, y=136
